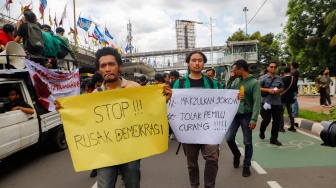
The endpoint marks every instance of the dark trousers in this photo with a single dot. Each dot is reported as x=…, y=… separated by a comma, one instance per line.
x=323, y=96
x=287, y=106
x=211, y=154
x=274, y=113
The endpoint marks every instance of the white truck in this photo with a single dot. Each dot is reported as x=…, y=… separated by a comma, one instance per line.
x=19, y=130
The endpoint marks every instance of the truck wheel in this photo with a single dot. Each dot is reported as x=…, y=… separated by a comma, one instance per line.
x=58, y=140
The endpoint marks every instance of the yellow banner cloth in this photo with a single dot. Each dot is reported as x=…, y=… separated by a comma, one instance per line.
x=114, y=127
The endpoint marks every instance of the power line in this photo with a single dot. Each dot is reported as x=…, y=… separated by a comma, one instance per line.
x=255, y=14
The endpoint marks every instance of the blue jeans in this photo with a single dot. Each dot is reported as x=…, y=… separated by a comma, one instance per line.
x=107, y=177
x=296, y=105
x=287, y=106
x=242, y=120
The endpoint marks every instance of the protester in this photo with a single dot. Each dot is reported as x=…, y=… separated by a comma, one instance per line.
x=271, y=107
x=109, y=63
x=65, y=42
x=323, y=81
x=15, y=102
x=195, y=79
x=143, y=80
x=211, y=73
x=166, y=78
x=6, y=35
x=296, y=75
x=287, y=98
x=247, y=114
x=159, y=79
x=23, y=33
x=97, y=80
x=174, y=75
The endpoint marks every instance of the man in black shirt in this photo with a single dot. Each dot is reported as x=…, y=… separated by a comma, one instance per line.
x=16, y=104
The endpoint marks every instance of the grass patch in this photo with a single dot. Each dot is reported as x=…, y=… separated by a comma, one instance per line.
x=316, y=116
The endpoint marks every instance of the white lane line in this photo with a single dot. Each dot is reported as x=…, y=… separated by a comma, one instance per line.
x=307, y=134
x=274, y=184
x=258, y=168
x=254, y=164
x=95, y=185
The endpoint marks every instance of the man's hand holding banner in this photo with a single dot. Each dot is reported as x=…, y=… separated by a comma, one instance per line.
x=115, y=127
x=202, y=116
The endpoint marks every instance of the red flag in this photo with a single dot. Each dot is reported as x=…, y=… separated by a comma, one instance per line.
x=72, y=31
x=55, y=20
x=94, y=36
x=89, y=35
x=61, y=22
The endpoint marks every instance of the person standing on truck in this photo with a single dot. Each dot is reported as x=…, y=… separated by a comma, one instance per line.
x=6, y=35
x=15, y=102
x=109, y=63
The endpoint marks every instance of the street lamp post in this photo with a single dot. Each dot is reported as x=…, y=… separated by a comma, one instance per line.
x=245, y=10
x=210, y=27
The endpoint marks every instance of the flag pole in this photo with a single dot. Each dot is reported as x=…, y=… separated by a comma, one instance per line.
x=74, y=21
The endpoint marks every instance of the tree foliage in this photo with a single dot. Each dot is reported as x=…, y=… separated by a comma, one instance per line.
x=307, y=41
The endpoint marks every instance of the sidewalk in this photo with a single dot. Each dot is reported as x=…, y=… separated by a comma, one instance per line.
x=311, y=103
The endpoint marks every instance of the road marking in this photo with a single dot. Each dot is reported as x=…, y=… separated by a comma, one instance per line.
x=307, y=134
x=258, y=168
x=254, y=164
x=274, y=184
x=95, y=185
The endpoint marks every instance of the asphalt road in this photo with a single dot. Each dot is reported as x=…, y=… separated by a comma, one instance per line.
x=301, y=162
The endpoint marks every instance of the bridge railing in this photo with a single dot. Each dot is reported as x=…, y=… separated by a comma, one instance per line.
x=310, y=88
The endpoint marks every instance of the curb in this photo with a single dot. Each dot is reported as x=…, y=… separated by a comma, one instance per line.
x=307, y=125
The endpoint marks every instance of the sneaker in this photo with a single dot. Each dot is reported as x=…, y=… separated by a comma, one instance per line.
x=296, y=124
x=262, y=135
x=236, y=161
x=276, y=142
x=282, y=130
x=292, y=129
x=172, y=136
x=246, y=172
x=93, y=173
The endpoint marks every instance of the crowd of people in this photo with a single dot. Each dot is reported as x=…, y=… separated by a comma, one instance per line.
x=41, y=44
x=268, y=95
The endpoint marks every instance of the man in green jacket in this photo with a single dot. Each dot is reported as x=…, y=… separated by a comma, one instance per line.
x=65, y=41
x=247, y=114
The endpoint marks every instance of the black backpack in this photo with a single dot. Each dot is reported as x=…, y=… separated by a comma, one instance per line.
x=35, y=37
x=63, y=52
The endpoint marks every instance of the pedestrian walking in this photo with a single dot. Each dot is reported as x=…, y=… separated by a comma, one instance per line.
x=247, y=114
x=296, y=75
x=287, y=98
x=271, y=107
x=323, y=85
x=195, y=79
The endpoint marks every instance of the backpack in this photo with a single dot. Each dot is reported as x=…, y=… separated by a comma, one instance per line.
x=181, y=82
x=63, y=52
x=35, y=36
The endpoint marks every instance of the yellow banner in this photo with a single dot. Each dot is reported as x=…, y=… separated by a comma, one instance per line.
x=115, y=127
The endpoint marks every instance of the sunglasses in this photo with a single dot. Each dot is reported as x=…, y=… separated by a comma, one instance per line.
x=273, y=67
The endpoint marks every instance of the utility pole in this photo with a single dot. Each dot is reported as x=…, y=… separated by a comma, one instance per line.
x=129, y=36
x=211, y=54
x=245, y=10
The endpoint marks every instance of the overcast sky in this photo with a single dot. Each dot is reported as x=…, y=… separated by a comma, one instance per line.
x=153, y=21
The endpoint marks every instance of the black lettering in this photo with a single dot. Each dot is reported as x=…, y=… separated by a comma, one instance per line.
x=113, y=111
x=107, y=136
x=107, y=111
x=98, y=114
x=78, y=138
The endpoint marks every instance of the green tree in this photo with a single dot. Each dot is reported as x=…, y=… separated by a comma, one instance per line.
x=330, y=21
x=306, y=39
